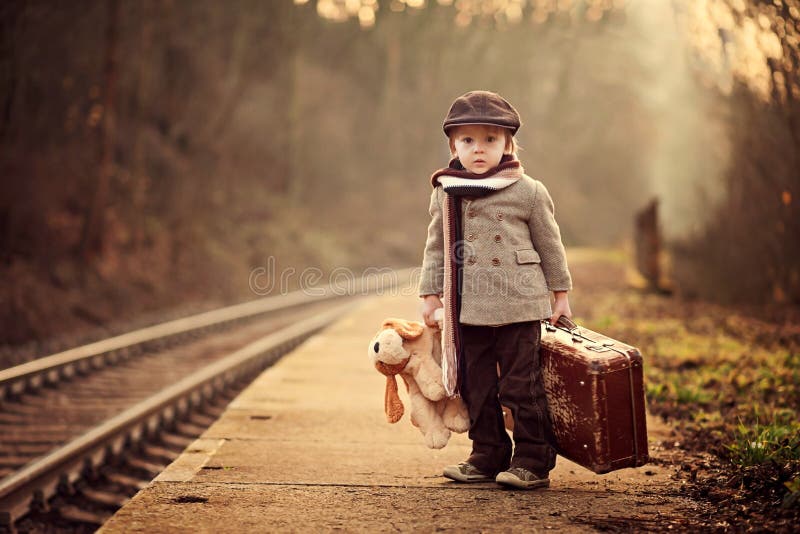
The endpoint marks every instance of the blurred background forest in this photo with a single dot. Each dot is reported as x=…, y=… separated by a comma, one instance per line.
x=155, y=152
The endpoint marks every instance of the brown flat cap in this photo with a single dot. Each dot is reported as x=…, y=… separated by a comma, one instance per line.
x=482, y=107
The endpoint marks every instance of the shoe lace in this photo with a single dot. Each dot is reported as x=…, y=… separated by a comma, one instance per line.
x=522, y=473
x=468, y=468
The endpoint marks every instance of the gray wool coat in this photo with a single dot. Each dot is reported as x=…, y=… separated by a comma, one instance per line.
x=512, y=255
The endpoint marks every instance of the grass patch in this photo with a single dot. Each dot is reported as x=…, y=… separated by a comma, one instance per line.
x=777, y=442
x=692, y=395
x=675, y=388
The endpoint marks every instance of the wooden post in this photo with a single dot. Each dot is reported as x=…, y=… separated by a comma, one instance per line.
x=647, y=240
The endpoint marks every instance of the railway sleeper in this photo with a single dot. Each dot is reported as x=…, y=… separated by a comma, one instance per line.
x=189, y=429
x=24, y=449
x=202, y=420
x=151, y=468
x=10, y=418
x=122, y=480
x=76, y=514
x=110, y=499
x=176, y=441
x=158, y=454
x=14, y=462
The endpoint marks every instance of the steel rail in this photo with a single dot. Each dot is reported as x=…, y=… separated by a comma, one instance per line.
x=33, y=374
x=39, y=480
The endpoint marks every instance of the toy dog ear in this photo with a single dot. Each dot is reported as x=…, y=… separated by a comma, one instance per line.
x=407, y=329
x=392, y=404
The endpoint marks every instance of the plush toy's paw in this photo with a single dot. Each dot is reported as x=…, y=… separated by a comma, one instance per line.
x=437, y=438
x=433, y=391
x=459, y=423
x=455, y=416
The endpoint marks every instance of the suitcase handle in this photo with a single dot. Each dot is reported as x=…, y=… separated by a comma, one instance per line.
x=567, y=324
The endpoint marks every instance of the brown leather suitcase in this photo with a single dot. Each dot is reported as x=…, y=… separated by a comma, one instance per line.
x=595, y=392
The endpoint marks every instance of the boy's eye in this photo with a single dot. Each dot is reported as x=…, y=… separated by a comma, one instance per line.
x=491, y=139
x=467, y=139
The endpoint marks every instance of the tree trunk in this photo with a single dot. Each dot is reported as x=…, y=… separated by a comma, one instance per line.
x=234, y=84
x=10, y=16
x=92, y=238
x=296, y=178
x=141, y=174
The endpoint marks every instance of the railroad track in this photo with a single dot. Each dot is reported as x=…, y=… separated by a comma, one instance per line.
x=83, y=430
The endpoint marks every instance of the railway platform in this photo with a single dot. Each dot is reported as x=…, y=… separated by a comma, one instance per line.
x=306, y=447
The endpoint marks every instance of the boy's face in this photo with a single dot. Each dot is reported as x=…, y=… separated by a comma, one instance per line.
x=479, y=147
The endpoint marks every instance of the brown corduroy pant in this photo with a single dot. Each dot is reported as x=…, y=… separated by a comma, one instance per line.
x=520, y=387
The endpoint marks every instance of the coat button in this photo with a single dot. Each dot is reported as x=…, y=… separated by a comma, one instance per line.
x=495, y=261
x=471, y=237
x=499, y=216
x=471, y=260
x=471, y=213
x=497, y=238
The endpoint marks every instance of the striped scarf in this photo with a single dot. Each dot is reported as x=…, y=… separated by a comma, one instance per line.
x=456, y=183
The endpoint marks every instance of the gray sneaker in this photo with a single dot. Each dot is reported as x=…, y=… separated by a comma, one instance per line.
x=465, y=472
x=521, y=478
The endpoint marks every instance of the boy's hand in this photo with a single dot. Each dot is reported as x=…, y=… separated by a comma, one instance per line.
x=429, y=304
x=560, y=306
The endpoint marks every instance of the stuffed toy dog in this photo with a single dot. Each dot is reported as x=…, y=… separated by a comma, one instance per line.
x=413, y=351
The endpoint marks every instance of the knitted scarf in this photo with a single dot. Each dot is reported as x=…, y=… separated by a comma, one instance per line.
x=456, y=183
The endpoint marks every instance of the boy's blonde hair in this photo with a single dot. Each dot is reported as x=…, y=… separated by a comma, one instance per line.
x=511, y=141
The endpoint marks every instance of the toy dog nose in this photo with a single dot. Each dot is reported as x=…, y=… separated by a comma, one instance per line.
x=376, y=347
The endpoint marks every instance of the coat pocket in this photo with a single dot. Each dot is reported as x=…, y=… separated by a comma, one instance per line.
x=527, y=255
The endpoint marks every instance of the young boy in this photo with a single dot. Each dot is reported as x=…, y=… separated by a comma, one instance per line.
x=494, y=254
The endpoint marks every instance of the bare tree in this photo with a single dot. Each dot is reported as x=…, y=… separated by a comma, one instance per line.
x=92, y=240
